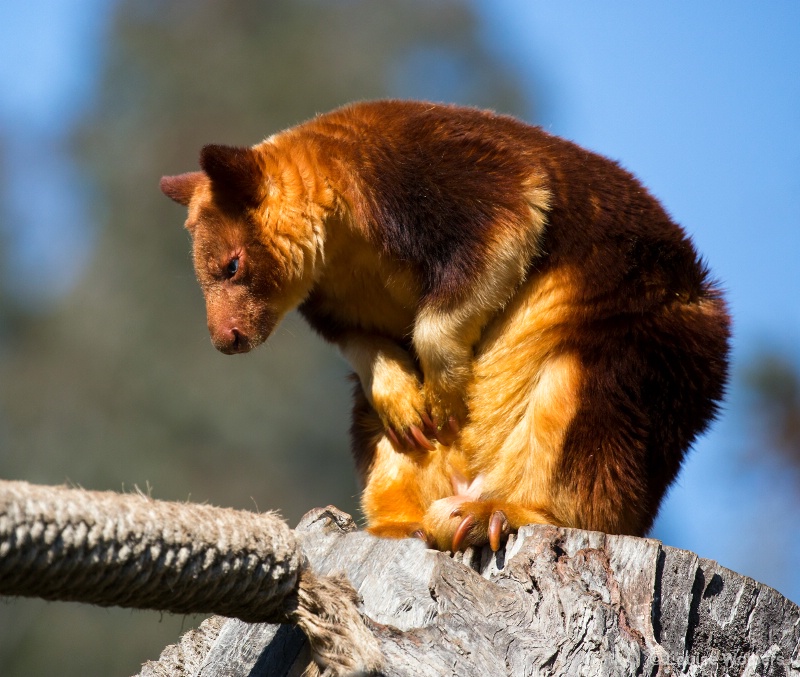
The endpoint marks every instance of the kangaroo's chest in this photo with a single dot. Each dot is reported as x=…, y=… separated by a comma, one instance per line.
x=364, y=290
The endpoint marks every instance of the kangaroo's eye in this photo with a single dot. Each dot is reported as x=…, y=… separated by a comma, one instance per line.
x=232, y=268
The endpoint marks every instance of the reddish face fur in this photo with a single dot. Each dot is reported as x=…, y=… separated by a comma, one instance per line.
x=235, y=275
x=246, y=279
x=535, y=340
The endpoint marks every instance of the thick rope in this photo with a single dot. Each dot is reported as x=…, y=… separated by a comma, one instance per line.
x=129, y=550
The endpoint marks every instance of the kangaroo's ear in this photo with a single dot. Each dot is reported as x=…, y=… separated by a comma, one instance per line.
x=181, y=187
x=234, y=171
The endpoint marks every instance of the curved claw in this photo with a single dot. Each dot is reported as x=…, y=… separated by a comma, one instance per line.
x=463, y=530
x=392, y=435
x=420, y=438
x=498, y=529
x=425, y=538
x=409, y=440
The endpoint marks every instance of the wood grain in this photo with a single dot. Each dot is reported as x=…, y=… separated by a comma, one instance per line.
x=554, y=602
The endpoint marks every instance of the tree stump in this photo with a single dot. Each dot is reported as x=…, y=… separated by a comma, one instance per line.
x=553, y=602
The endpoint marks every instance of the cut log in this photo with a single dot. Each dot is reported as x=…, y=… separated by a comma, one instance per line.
x=553, y=602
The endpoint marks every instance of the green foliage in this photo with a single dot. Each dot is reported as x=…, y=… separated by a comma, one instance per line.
x=774, y=381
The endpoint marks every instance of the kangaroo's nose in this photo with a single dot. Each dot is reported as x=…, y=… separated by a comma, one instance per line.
x=238, y=340
x=230, y=341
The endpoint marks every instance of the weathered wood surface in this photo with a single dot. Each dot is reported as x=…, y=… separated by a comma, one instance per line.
x=554, y=602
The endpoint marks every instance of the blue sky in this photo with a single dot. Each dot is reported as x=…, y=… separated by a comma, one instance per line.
x=50, y=59
x=700, y=100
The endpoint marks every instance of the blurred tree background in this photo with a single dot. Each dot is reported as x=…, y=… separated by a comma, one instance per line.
x=117, y=385
x=773, y=381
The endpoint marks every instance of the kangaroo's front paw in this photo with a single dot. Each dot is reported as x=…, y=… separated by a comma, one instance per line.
x=448, y=412
x=398, y=399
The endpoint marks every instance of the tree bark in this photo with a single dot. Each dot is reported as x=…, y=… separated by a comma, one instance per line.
x=553, y=602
